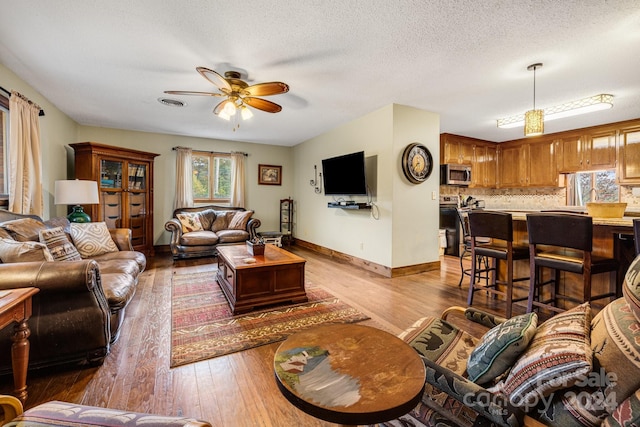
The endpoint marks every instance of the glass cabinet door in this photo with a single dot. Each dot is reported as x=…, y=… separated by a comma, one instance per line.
x=137, y=176
x=111, y=174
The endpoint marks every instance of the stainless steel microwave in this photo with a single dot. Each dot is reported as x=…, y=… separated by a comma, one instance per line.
x=451, y=174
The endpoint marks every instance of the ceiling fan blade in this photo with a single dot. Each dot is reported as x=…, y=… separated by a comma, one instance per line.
x=215, y=78
x=263, y=104
x=265, y=89
x=188, y=92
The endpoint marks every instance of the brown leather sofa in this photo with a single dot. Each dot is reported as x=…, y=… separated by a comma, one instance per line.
x=216, y=222
x=80, y=307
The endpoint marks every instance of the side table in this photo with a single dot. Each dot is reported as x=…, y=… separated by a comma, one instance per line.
x=15, y=306
x=349, y=374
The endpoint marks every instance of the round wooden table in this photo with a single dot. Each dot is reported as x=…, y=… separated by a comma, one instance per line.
x=349, y=374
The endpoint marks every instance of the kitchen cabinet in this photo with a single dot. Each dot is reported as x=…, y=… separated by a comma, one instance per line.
x=456, y=149
x=629, y=155
x=528, y=164
x=484, y=166
x=125, y=183
x=594, y=151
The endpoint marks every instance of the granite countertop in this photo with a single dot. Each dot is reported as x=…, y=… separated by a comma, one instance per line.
x=625, y=221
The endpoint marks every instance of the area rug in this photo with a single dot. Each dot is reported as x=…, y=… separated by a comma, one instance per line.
x=202, y=326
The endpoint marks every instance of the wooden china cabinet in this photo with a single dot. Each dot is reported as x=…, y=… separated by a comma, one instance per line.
x=125, y=182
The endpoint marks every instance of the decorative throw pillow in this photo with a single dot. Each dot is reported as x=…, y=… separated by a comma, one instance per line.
x=59, y=245
x=190, y=221
x=14, y=251
x=92, y=239
x=240, y=220
x=223, y=218
x=558, y=357
x=631, y=287
x=24, y=229
x=500, y=347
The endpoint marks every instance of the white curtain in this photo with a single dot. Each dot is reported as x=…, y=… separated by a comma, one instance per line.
x=237, y=179
x=184, y=178
x=25, y=159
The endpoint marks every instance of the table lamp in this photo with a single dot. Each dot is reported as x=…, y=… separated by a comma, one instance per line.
x=76, y=192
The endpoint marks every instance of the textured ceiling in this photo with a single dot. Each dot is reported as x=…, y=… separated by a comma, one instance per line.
x=106, y=63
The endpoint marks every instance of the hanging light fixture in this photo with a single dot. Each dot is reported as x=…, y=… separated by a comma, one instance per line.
x=534, y=119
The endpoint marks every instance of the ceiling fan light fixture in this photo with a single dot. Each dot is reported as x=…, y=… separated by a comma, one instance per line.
x=245, y=112
x=224, y=116
x=229, y=108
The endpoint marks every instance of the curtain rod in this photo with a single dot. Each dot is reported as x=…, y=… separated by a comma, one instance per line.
x=216, y=152
x=31, y=102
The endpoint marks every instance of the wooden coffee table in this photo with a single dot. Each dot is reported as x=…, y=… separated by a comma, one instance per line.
x=275, y=277
x=349, y=374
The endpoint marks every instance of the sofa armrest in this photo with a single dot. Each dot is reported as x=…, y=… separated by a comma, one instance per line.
x=174, y=226
x=477, y=316
x=492, y=406
x=51, y=276
x=122, y=238
x=252, y=228
x=11, y=408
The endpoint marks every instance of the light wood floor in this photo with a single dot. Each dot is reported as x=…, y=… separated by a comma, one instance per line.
x=238, y=389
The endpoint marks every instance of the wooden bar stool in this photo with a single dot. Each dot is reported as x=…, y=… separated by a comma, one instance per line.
x=497, y=228
x=568, y=243
x=482, y=273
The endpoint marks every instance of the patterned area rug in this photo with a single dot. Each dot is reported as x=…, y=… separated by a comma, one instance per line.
x=202, y=326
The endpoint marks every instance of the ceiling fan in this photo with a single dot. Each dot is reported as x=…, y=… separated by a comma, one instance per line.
x=238, y=94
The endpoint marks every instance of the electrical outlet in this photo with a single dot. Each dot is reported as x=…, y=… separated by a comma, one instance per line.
x=433, y=195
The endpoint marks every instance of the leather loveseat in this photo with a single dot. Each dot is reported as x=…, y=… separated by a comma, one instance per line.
x=80, y=307
x=197, y=231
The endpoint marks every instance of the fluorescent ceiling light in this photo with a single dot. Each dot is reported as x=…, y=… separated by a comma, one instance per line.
x=573, y=108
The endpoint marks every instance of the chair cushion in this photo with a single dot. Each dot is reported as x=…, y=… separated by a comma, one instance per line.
x=59, y=246
x=232, y=236
x=92, y=238
x=190, y=221
x=222, y=220
x=500, y=347
x=14, y=251
x=558, y=357
x=199, y=238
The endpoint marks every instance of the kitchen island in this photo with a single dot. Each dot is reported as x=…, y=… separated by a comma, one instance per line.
x=612, y=237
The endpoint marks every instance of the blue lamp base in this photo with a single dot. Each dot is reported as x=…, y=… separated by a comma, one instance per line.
x=78, y=215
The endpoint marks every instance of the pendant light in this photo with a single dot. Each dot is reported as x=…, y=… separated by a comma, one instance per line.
x=534, y=119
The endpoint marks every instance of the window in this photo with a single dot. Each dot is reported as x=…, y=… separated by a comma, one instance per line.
x=211, y=177
x=4, y=151
x=592, y=186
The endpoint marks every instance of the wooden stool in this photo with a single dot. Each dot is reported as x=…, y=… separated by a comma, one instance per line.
x=498, y=227
x=568, y=241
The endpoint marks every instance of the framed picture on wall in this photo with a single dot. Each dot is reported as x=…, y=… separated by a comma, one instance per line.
x=269, y=175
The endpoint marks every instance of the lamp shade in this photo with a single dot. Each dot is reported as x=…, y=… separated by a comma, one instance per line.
x=76, y=192
x=534, y=122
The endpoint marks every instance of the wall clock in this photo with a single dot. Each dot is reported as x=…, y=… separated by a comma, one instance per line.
x=417, y=163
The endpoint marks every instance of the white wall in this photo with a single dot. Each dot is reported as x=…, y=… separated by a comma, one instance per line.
x=405, y=227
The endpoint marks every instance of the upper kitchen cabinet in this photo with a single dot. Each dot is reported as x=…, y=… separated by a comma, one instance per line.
x=629, y=155
x=593, y=151
x=528, y=164
x=456, y=149
x=125, y=181
x=484, y=166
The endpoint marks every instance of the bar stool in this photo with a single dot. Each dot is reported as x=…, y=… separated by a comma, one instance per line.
x=568, y=240
x=482, y=274
x=497, y=227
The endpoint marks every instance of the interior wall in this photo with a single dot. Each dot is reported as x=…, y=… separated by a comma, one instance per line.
x=263, y=199
x=399, y=230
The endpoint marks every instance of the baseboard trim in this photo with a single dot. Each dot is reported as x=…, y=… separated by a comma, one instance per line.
x=368, y=265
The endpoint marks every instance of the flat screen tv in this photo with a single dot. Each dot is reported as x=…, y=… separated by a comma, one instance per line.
x=344, y=175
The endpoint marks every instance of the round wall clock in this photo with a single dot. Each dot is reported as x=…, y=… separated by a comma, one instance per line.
x=417, y=163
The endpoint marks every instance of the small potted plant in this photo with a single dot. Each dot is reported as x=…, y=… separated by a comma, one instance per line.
x=255, y=246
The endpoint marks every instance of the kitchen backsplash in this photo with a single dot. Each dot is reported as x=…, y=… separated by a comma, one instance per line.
x=527, y=198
